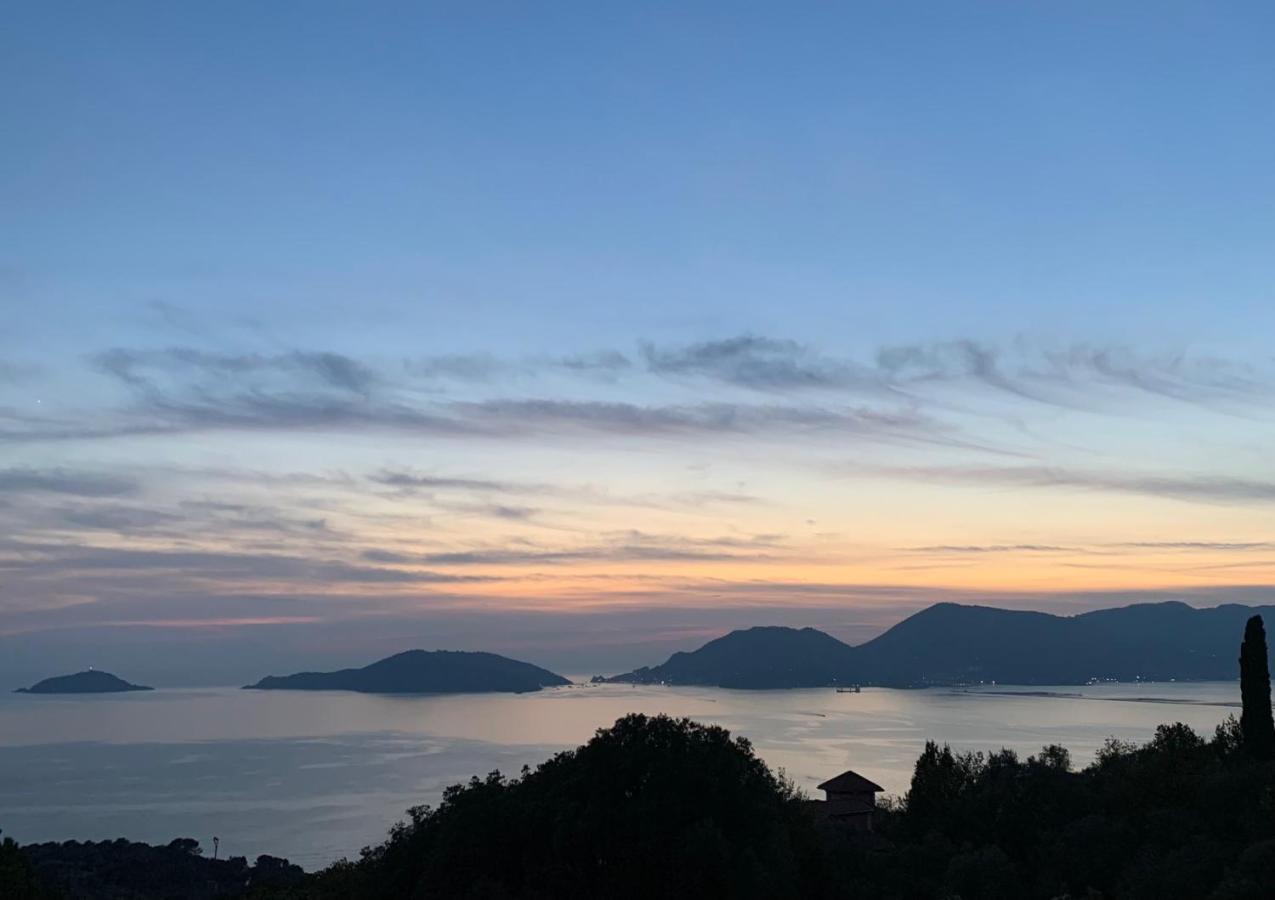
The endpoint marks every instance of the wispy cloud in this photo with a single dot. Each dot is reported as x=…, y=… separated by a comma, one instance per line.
x=900, y=393
x=1203, y=546
x=148, y=368
x=762, y=363
x=530, y=416
x=989, y=548
x=913, y=367
x=1185, y=486
x=182, y=390
x=1067, y=375
x=1098, y=549
x=408, y=483
x=487, y=367
x=1072, y=375
x=115, y=518
x=406, y=480
x=463, y=367
x=64, y=481
x=605, y=363
x=186, y=566
x=624, y=546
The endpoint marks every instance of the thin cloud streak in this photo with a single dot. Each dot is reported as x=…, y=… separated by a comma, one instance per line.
x=989, y=548
x=143, y=368
x=760, y=363
x=500, y=419
x=409, y=481
x=1205, y=546
x=64, y=481
x=629, y=546
x=182, y=389
x=1187, y=487
x=53, y=560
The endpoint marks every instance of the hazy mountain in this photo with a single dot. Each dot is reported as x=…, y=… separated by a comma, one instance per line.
x=423, y=672
x=90, y=682
x=953, y=644
x=766, y=657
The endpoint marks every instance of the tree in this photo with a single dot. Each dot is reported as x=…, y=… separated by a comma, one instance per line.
x=650, y=807
x=17, y=880
x=939, y=778
x=1256, y=723
x=186, y=845
x=1054, y=756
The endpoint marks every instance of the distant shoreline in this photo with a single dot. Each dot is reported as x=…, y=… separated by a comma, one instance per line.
x=1068, y=695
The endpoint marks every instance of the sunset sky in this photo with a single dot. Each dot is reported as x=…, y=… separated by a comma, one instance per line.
x=584, y=332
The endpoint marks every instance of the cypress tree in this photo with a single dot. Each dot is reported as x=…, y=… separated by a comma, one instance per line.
x=1256, y=725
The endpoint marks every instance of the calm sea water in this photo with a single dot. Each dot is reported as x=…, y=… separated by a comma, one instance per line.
x=316, y=776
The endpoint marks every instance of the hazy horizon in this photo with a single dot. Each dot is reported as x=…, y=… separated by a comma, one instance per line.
x=605, y=644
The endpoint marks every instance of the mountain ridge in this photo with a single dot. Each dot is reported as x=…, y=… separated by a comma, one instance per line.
x=952, y=643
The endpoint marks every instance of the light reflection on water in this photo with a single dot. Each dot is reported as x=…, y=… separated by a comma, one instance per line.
x=314, y=776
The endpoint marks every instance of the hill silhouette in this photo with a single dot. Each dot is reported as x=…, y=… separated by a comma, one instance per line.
x=770, y=657
x=950, y=643
x=423, y=672
x=89, y=682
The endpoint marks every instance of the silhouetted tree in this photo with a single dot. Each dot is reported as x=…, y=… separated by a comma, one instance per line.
x=1054, y=756
x=17, y=879
x=186, y=845
x=938, y=782
x=119, y=869
x=1255, y=692
x=650, y=807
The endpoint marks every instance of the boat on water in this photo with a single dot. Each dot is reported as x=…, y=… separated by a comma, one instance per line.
x=849, y=690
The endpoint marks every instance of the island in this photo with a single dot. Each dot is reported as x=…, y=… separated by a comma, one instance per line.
x=89, y=682
x=423, y=672
x=956, y=644
x=762, y=657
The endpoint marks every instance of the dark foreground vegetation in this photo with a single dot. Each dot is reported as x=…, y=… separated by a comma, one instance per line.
x=657, y=807
x=125, y=869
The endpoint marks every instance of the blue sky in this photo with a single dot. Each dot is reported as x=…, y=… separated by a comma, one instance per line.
x=813, y=284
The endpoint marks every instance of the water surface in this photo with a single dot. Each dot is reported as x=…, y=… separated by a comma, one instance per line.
x=316, y=775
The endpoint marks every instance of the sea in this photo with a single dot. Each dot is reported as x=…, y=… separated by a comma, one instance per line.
x=316, y=776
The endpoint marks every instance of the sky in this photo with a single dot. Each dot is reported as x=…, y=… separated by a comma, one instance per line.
x=584, y=332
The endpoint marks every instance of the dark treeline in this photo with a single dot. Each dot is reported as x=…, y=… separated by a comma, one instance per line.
x=658, y=807
x=128, y=870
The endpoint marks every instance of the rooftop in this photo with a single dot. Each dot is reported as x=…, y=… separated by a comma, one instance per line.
x=849, y=782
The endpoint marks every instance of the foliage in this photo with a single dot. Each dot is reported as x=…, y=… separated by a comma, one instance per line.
x=18, y=880
x=648, y=807
x=107, y=870
x=656, y=807
x=1180, y=817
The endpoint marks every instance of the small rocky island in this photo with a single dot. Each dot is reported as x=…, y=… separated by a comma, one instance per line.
x=423, y=672
x=89, y=682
